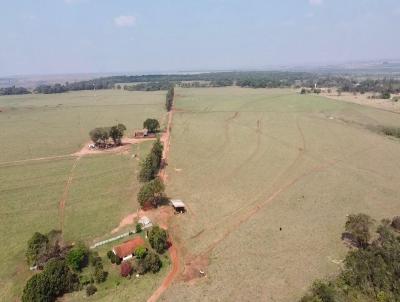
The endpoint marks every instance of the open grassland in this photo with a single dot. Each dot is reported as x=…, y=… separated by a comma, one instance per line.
x=58, y=124
x=249, y=162
x=88, y=196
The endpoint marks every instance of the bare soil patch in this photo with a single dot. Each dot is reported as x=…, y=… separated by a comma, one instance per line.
x=126, y=144
x=362, y=99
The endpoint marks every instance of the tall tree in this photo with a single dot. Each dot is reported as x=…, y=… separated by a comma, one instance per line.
x=151, y=124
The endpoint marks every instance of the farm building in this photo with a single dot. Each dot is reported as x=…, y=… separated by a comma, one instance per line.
x=145, y=222
x=178, y=205
x=144, y=133
x=141, y=133
x=127, y=249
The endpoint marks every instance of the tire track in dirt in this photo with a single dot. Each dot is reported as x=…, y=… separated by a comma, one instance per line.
x=288, y=170
x=227, y=128
x=35, y=159
x=203, y=257
x=252, y=154
x=63, y=200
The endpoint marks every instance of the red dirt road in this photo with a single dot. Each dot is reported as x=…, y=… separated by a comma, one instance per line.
x=174, y=255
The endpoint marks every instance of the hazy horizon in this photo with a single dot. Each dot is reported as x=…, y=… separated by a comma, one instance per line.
x=50, y=37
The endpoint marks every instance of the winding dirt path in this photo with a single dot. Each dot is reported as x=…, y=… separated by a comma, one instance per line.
x=63, y=200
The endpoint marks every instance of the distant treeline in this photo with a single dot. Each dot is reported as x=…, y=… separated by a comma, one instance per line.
x=14, y=91
x=251, y=79
x=150, y=86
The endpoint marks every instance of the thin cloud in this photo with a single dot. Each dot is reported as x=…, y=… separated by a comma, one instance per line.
x=124, y=21
x=315, y=2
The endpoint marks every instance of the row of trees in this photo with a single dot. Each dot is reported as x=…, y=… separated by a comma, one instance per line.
x=372, y=271
x=254, y=79
x=14, y=90
x=169, y=100
x=101, y=135
x=152, y=191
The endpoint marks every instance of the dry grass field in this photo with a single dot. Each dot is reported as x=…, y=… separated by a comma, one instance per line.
x=96, y=194
x=269, y=177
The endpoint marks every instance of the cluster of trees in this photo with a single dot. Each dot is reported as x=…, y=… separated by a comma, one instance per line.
x=43, y=247
x=149, y=86
x=372, y=271
x=55, y=280
x=60, y=266
x=14, y=91
x=194, y=84
x=50, y=89
x=148, y=262
x=169, y=100
x=101, y=135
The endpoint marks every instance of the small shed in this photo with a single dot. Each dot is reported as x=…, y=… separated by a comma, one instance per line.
x=141, y=133
x=178, y=205
x=145, y=222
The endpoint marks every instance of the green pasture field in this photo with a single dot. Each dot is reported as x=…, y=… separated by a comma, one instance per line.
x=103, y=188
x=269, y=176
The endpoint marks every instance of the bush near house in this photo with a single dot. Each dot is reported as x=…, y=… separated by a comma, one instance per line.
x=158, y=239
x=126, y=269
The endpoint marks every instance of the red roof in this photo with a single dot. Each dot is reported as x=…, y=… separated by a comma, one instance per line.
x=127, y=248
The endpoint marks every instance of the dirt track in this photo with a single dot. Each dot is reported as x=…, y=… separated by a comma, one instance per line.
x=174, y=249
x=64, y=197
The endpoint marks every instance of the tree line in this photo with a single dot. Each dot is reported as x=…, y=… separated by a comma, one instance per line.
x=251, y=79
x=14, y=91
x=150, y=86
x=60, y=267
x=169, y=99
x=371, y=272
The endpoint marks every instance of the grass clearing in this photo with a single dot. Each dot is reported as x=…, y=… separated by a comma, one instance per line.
x=103, y=187
x=249, y=162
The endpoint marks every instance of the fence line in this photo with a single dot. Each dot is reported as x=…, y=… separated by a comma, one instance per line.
x=119, y=237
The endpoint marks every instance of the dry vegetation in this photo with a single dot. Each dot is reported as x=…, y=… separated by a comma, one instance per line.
x=249, y=162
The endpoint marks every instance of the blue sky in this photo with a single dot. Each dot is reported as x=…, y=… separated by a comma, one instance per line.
x=71, y=36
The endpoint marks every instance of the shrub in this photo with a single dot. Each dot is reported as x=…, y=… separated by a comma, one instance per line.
x=91, y=290
x=158, y=239
x=99, y=274
x=110, y=254
x=152, y=262
x=126, y=269
x=396, y=223
x=138, y=228
x=140, y=252
x=77, y=257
